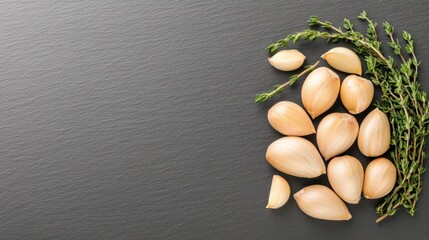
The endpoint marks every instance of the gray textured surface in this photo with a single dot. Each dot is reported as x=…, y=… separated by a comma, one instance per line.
x=135, y=120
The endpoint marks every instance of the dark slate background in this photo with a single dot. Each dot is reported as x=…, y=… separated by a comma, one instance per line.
x=135, y=119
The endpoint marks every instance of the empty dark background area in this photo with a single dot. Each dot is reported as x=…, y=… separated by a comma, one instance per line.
x=135, y=119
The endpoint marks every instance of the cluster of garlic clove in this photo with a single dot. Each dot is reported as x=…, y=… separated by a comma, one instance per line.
x=335, y=134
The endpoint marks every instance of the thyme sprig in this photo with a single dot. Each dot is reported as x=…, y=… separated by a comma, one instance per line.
x=262, y=97
x=406, y=105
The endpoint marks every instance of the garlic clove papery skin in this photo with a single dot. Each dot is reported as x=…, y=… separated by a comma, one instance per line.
x=374, y=134
x=343, y=59
x=320, y=91
x=346, y=174
x=279, y=192
x=336, y=133
x=287, y=60
x=320, y=202
x=290, y=119
x=356, y=93
x=295, y=156
x=380, y=178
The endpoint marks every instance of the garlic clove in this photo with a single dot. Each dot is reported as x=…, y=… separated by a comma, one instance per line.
x=336, y=133
x=345, y=174
x=380, y=178
x=279, y=192
x=295, y=156
x=320, y=91
x=321, y=202
x=287, y=60
x=343, y=59
x=356, y=93
x=290, y=119
x=374, y=134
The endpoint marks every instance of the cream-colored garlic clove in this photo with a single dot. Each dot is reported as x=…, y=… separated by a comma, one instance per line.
x=343, y=59
x=320, y=91
x=321, y=202
x=374, y=134
x=295, y=156
x=356, y=93
x=380, y=178
x=287, y=60
x=290, y=119
x=279, y=192
x=336, y=133
x=345, y=174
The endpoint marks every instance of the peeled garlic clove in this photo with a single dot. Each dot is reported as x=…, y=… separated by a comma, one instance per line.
x=295, y=156
x=320, y=90
x=374, y=134
x=380, y=178
x=345, y=174
x=336, y=133
x=343, y=59
x=287, y=60
x=290, y=119
x=321, y=202
x=279, y=192
x=356, y=93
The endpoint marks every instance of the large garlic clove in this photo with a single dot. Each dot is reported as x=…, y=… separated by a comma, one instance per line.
x=345, y=174
x=321, y=202
x=380, y=178
x=295, y=156
x=320, y=90
x=290, y=119
x=356, y=93
x=374, y=134
x=287, y=60
x=343, y=59
x=336, y=133
x=279, y=192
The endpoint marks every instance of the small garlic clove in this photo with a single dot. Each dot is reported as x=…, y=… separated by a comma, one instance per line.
x=295, y=156
x=374, y=134
x=336, y=133
x=321, y=202
x=380, y=178
x=290, y=119
x=320, y=91
x=287, y=60
x=279, y=192
x=345, y=174
x=343, y=59
x=356, y=93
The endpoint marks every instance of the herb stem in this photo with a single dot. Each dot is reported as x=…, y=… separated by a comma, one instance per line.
x=399, y=53
x=262, y=97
